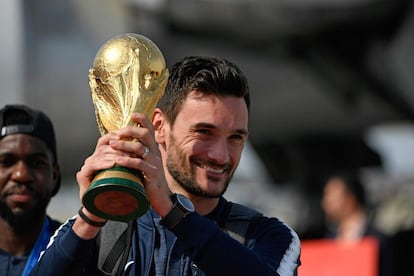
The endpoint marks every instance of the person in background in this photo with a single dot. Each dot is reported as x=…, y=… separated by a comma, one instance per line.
x=29, y=178
x=344, y=204
x=188, y=155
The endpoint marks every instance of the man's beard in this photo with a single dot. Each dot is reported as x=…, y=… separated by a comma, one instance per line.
x=22, y=221
x=184, y=174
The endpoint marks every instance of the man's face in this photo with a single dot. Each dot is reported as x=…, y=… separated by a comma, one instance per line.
x=204, y=146
x=335, y=200
x=27, y=179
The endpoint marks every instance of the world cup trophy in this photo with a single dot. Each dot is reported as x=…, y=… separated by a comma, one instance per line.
x=129, y=75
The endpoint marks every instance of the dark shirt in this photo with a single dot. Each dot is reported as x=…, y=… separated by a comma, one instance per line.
x=15, y=266
x=11, y=265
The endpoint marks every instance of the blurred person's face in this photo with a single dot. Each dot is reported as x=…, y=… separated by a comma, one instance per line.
x=335, y=200
x=203, y=147
x=27, y=179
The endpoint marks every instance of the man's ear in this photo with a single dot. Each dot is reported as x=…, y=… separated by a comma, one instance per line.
x=158, y=120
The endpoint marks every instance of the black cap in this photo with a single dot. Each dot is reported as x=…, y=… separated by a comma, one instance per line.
x=23, y=119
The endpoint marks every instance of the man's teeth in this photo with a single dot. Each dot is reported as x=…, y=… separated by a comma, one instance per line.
x=213, y=170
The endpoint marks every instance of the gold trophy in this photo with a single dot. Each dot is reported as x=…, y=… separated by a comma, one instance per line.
x=128, y=74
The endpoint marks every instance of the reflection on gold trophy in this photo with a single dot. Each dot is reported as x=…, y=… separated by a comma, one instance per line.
x=128, y=75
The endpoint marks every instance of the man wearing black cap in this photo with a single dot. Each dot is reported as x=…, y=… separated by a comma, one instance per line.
x=29, y=178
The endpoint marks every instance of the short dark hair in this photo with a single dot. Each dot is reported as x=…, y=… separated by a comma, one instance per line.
x=353, y=185
x=208, y=75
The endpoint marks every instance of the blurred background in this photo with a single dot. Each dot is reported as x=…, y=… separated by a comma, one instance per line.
x=331, y=80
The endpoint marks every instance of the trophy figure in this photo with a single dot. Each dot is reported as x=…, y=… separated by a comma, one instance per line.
x=128, y=75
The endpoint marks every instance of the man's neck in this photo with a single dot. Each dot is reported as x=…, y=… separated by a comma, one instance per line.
x=352, y=228
x=18, y=243
x=203, y=205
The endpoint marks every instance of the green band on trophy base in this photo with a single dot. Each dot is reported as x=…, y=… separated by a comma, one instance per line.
x=116, y=194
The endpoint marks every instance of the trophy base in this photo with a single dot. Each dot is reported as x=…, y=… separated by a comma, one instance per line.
x=116, y=194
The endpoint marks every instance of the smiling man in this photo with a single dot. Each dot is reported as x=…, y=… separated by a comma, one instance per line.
x=188, y=155
x=29, y=177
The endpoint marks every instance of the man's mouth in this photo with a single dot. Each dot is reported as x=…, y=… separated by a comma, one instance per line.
x=210, y=169
x=25, y=197
x=20, y=194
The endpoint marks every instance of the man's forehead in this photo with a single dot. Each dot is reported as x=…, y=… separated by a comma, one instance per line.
x=23, y=141
x=229, y=112
x=195, y=98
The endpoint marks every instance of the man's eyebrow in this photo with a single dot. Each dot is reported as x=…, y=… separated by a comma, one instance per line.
x=203, y=125
x=31, y=154
x=242, y=131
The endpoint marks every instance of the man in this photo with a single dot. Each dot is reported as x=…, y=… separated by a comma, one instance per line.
x=195, y=143
x=29, y=177
x=344, y=204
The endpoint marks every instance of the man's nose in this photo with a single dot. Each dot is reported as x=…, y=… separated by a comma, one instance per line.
x=21, y=172
x=219, y=151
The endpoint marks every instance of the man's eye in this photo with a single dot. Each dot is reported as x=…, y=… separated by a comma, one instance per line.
x=240, y=138
x=36, y=163
x=6, y=162
x=203, y=131
x=237, y=137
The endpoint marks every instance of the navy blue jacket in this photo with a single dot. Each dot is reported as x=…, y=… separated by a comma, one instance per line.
x=195, y=246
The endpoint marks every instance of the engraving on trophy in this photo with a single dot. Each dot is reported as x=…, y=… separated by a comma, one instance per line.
x=129, y=74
